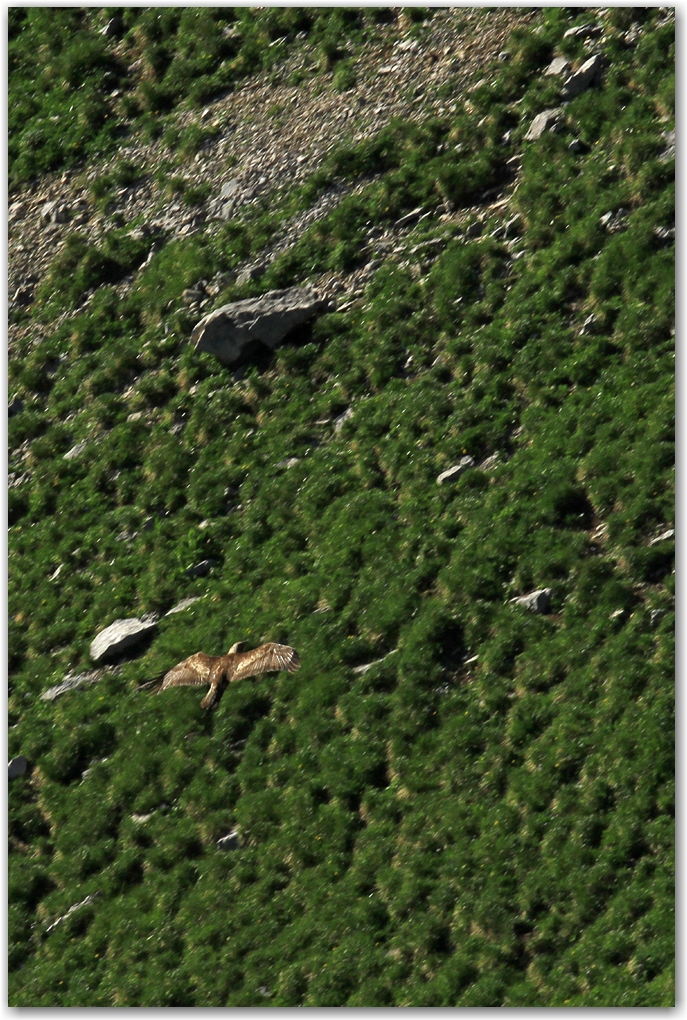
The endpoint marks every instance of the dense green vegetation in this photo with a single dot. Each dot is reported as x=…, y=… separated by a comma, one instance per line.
x=485, y=816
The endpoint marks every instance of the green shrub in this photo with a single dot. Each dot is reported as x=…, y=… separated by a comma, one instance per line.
x=344, y=77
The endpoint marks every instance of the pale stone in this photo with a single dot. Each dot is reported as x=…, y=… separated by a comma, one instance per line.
x=232, y=330
x=119, y=637
x=452, y=474
x=537, y=601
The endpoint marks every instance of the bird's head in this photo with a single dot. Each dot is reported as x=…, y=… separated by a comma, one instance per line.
x=236, y=648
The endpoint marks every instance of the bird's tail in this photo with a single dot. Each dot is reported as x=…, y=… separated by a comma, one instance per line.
x=152, y=685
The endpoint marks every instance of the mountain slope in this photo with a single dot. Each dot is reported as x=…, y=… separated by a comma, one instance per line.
x=484, y=816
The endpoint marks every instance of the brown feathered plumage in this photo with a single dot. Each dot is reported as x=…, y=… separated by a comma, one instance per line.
x=220, y=670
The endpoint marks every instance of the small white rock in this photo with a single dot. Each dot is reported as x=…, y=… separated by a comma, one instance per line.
x=670, y=533
x=75, y=451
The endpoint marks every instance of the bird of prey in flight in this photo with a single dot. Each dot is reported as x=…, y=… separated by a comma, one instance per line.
x=220, y=670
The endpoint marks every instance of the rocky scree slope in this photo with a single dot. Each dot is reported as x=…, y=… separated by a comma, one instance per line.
x=263, y=139
x=453, y=495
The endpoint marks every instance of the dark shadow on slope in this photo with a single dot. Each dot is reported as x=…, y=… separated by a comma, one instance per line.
x=450, y=640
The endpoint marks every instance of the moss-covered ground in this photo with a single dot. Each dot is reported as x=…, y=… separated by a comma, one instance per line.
x=485, y=816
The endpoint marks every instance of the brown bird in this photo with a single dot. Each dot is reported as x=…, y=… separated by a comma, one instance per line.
x=220, y=670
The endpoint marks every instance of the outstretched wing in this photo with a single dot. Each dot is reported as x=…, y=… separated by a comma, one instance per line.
x=266, y=659
x=194, y=671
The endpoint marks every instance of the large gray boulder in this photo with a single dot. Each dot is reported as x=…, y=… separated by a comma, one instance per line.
x=121, y=636
x=232, y=331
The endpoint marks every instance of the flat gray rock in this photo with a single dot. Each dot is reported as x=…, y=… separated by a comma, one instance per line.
x=583, y=78
x=229, y=842
x=230, y=190
x=670, y=533
x=74, y=907
x=184, y=604
x=231, y=196
x=230, y=332
x=120, y=637
x=490, y=463
x=70, y=683
x=452, y=474
x=559, y=65
x=537, y=601
x=582, y=32
x=544, y=121
x=75, y=451
x=17, y=767
x=669, y=151
x=361, y=670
